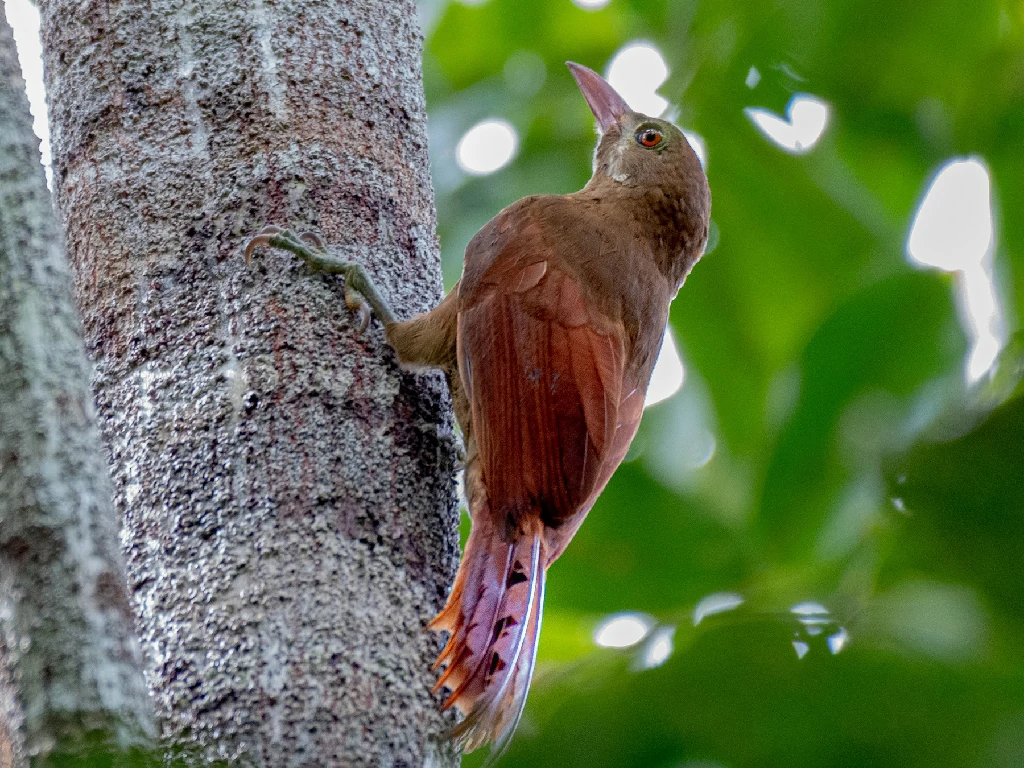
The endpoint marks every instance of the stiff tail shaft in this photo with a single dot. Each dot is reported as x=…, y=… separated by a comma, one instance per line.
x=494, y=617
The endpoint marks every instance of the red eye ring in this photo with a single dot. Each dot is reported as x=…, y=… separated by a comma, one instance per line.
x=648, y=137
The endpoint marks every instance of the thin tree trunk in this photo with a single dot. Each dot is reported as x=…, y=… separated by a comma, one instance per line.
x=288, y=496
x=70, y=663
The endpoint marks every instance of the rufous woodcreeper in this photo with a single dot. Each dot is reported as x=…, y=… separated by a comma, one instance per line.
x=548, y=342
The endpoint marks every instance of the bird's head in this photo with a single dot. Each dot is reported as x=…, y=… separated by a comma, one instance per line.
x=646, y=167
x=634, y=149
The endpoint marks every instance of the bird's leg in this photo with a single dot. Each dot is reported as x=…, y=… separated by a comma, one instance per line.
x=361, y=294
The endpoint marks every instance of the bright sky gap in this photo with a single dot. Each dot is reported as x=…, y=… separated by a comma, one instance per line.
x=636, y=72
x=659, y=647
x=804, y=124
x=622, y=630
x=487, y=147
x=24, y=20
x=953, y=231
x=669, y=373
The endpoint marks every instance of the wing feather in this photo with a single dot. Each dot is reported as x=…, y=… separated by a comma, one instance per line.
x=547, y=377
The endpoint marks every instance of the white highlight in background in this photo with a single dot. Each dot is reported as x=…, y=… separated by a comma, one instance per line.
x=487, y=147
x=636, y=72
x=623, y=630
x=715, y=603
x=700, y=147
x=805, y=123
x=24, y=20
x=591, y=5
x=952, y=228
x=669, y=373
x=838, y=641
x=659, y=647
x=953, y=231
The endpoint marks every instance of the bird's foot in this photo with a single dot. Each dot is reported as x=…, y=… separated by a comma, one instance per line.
x=361, y=294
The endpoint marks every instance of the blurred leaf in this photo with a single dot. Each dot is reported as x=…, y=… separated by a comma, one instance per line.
x=964, y=500
x=893, y=336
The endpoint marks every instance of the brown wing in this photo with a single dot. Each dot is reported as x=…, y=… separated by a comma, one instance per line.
x=543, y=370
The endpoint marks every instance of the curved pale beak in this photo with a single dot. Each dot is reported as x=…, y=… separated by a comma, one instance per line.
x=608, y=107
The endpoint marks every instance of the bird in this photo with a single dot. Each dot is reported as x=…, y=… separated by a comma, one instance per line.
x=548, y=342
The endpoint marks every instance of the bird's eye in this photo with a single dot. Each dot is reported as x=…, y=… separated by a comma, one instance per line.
x=648, y=137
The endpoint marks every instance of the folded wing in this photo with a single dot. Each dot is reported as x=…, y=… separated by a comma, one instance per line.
x=544, y=377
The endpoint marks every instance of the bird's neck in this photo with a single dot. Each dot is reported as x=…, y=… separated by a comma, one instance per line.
x=669, y=217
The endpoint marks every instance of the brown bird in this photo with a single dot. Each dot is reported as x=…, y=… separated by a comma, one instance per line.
x=548, y=342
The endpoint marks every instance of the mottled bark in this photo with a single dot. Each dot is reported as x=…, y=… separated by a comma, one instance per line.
x=290, y=517
x=70, y=663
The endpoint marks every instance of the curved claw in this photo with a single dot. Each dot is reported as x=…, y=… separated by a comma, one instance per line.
x=262, y=239
x=363, y=317
x=312, y=238
x=253, y=244
x=357, y=304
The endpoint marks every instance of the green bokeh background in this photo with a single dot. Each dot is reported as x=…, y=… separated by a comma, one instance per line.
x=852, y=467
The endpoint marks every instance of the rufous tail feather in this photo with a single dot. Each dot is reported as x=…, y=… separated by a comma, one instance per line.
x=494, y=616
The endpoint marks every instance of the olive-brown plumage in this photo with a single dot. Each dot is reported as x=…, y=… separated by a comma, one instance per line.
x=548, y=342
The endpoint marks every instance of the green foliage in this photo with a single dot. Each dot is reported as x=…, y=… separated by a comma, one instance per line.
x=851, y=467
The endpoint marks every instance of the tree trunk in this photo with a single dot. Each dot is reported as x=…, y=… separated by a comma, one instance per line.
x=290, y=516
x=69, y=663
